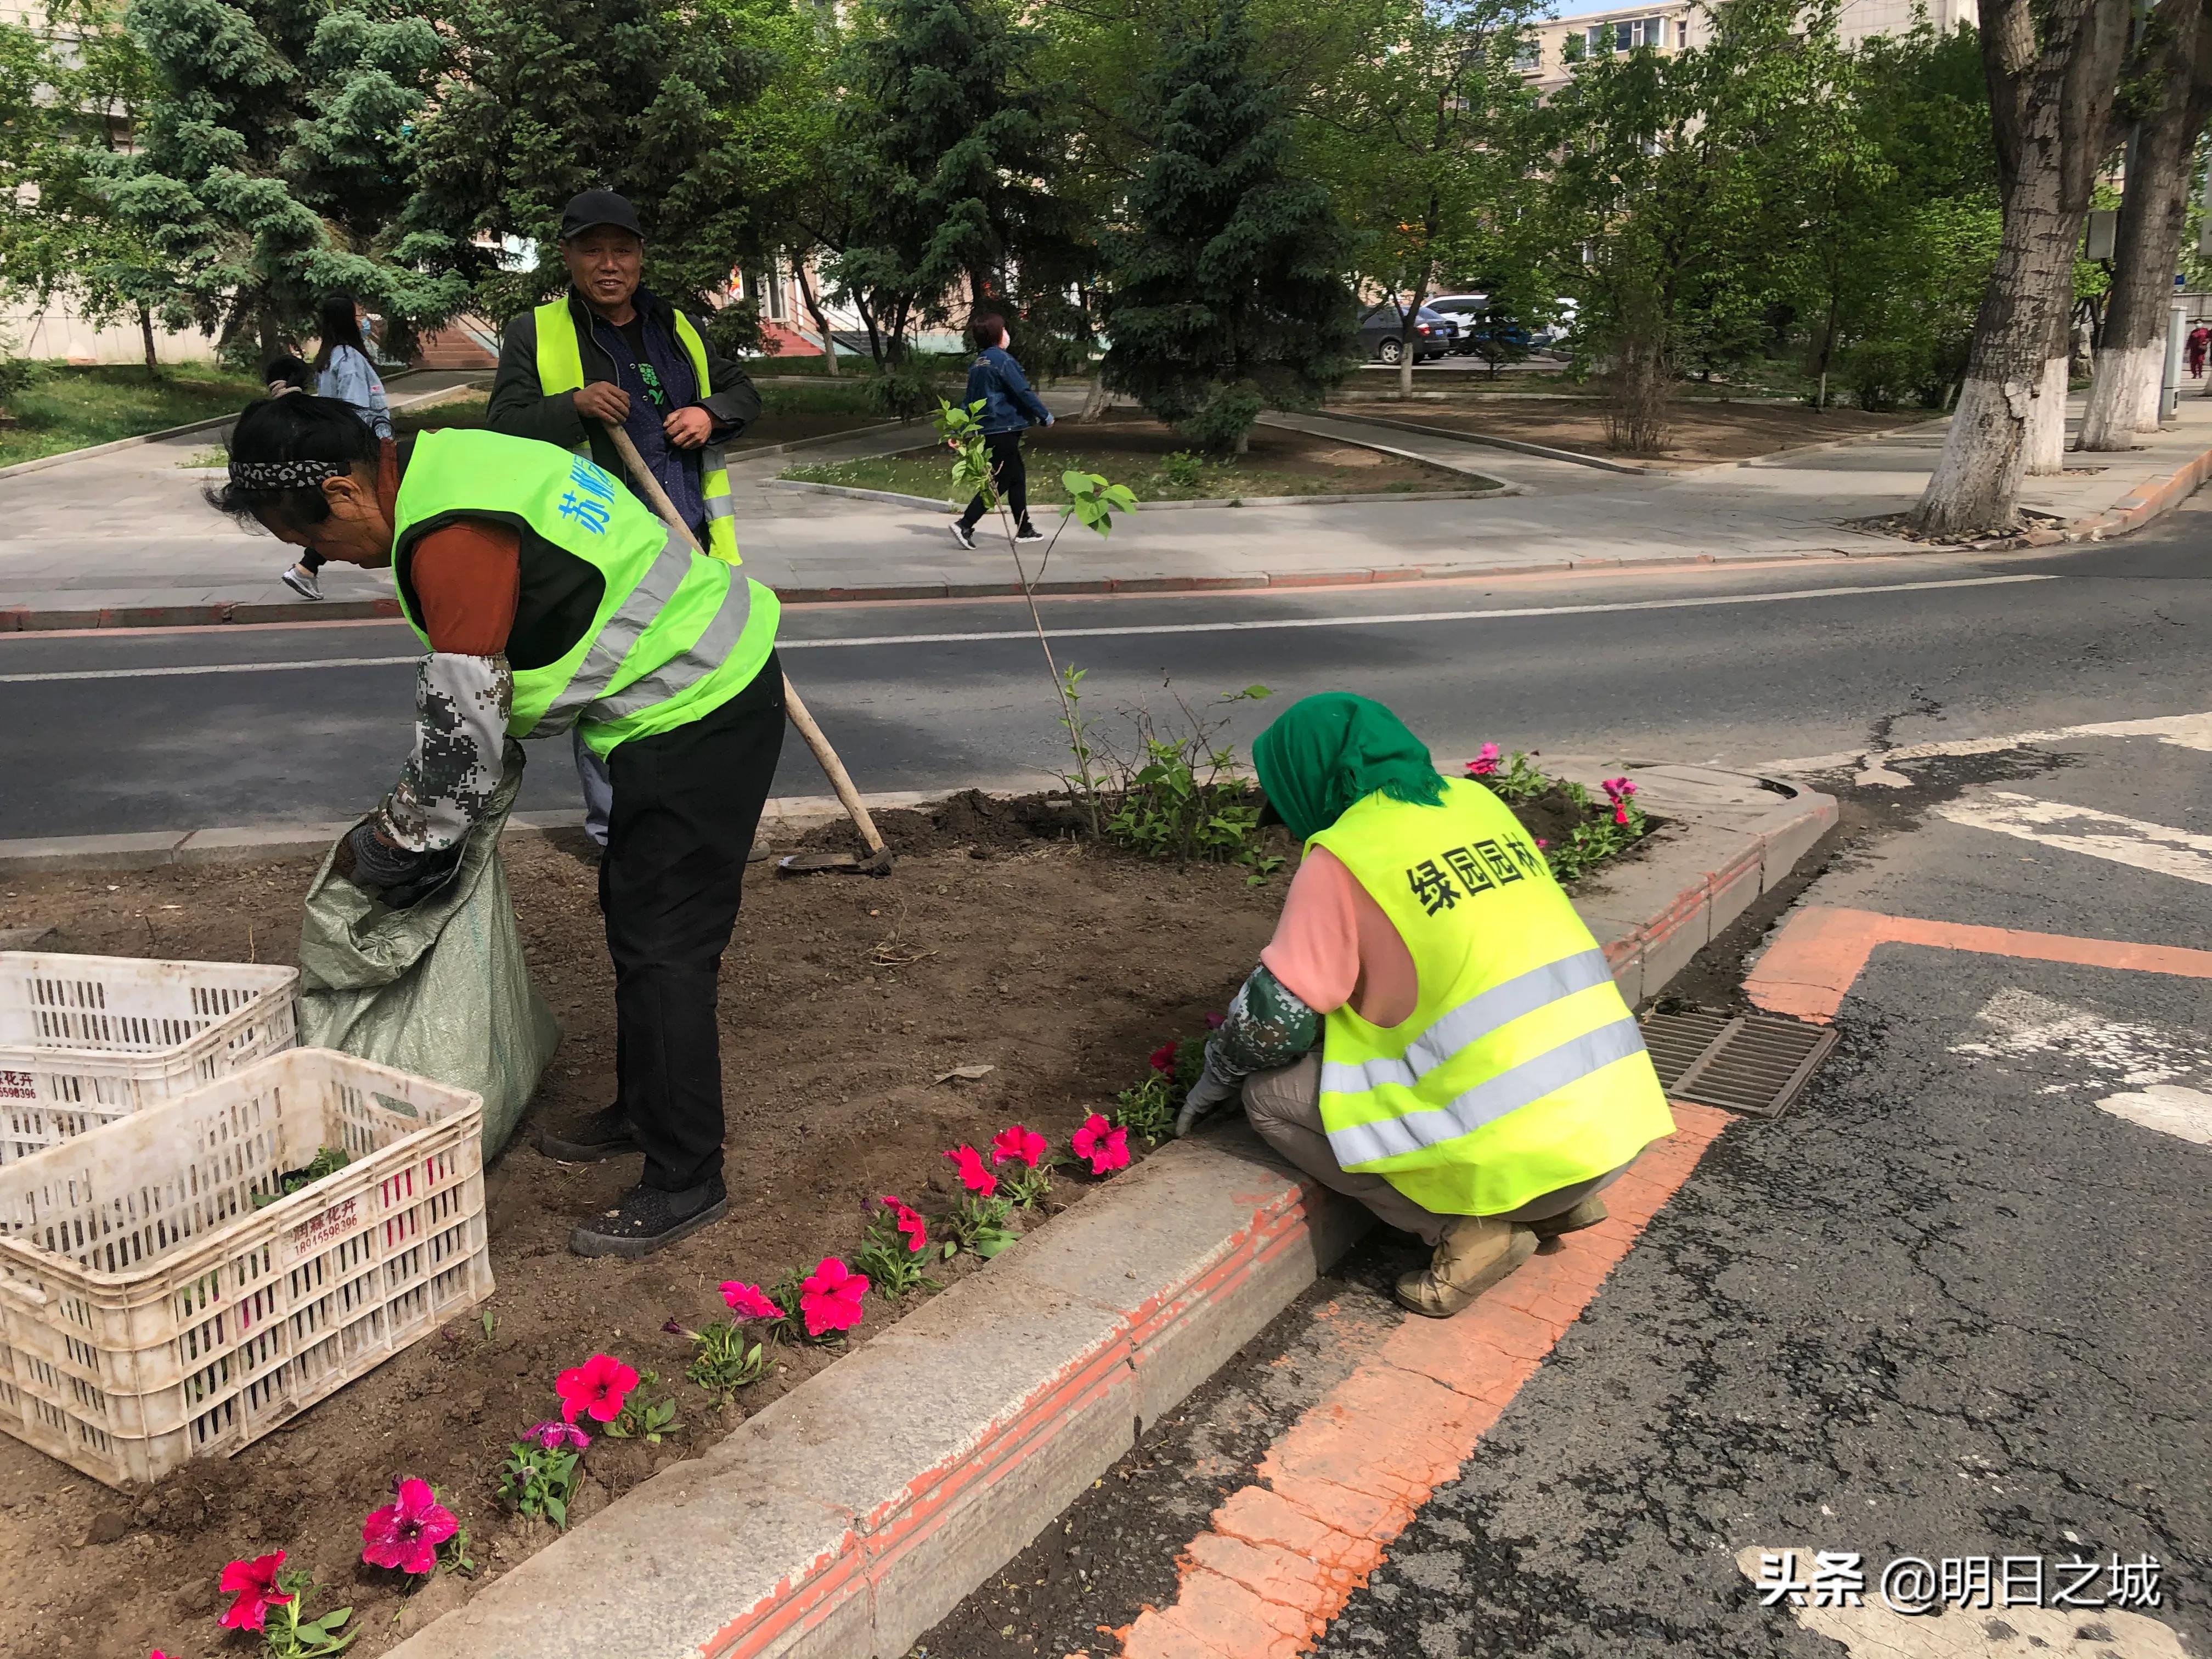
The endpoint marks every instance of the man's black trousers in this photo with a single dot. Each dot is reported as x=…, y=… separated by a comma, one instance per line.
x=686, y=806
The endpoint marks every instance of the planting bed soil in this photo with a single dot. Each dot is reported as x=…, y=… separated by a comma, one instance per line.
x=1130, y=449
x=999, y=941
x=1705, y=431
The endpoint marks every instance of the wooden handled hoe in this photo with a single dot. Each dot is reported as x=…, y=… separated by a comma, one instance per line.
x=879, y=861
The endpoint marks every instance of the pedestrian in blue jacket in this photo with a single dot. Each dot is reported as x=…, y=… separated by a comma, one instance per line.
x=995, y=381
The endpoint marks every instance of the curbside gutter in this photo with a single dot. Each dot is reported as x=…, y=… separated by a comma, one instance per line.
x=847, y=1518
x=930, y=503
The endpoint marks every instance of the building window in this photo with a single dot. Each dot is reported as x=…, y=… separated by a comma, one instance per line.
x=764, y=287
x=1682, y=33
x=1529, y=54
x=1626, y=35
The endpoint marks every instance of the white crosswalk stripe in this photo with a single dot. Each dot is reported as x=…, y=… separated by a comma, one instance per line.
x=2087, y=830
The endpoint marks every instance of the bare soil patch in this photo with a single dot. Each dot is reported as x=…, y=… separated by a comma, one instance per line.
x=1705, y=431
x=1131, y=448
x=842, y=998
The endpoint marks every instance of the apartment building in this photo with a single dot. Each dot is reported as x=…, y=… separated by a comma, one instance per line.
x=1558, y=45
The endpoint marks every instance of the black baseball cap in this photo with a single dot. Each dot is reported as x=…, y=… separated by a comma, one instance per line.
x=599, y=207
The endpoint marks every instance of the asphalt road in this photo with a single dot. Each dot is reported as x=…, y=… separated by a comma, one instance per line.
x=1946, y=1307
x=1741, y=665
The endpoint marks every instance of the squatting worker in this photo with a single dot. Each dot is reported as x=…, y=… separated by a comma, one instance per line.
x=1478, y=1078
x=611, y=352
x=548, y=596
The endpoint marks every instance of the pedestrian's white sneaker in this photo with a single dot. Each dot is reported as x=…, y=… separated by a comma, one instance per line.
x=964, y=535
x=1029, y=532
x=305, y=583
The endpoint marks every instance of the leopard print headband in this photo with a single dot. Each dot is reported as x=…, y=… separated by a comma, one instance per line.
x=285, y=475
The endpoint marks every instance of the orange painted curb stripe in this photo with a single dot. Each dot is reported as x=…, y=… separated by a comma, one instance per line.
x=1284, y=1554
x=1813, y=961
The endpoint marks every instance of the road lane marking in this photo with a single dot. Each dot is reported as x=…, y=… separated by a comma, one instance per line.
x=1394, y=619
x=2096, y=835
x=206, y=668
x=2132, y=1052
x=2168, y=1108
x=2182, y=730
x=1871, y=1630
x=1822, y=949
x=1280, y=1557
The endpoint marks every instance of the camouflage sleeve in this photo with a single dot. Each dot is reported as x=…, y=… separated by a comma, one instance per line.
x=461, y=705
x=1267, y=1026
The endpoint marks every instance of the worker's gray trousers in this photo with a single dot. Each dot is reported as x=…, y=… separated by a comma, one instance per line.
x=1285, y=1108
x=599, y=789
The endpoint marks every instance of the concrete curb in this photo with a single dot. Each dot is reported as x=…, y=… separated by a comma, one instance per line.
x=41, y=463
x=850, y=1516
x=2156, y=496
x=1514, y=444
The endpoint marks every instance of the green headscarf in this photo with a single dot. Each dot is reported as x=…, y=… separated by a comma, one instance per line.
x=1325, y=752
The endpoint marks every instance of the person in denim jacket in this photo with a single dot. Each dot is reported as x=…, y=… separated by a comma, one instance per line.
x=1010, y=407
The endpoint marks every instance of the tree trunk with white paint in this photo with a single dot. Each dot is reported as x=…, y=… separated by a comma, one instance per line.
x=2053, y=74
x=2123, y=400
x=2045, y=442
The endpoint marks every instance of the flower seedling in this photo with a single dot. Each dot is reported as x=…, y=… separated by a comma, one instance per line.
x=1107, y=1145
x=722, y=1362
x=540, y=1474
x=651, y=1421
x=596, y=1388
x=978, y=1225
x=1029, y=1182
x=406, y=1533
x=271, y=1599
x=328, y=1160
x=898, y=1244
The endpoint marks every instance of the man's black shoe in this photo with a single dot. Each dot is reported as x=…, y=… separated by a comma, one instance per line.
x=605, y=1134
x=649, y=1219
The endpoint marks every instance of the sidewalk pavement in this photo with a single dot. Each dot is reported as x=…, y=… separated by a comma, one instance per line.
x=126, y=531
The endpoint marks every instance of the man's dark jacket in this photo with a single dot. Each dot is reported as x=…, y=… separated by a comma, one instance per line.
x=520, y=408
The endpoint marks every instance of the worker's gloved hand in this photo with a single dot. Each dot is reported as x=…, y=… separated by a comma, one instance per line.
x=1207, y=1095
x=375, y=865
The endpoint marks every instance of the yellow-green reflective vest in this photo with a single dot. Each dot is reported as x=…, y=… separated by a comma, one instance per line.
x=1520, y=1070
x=677, y=634
x=561, y=368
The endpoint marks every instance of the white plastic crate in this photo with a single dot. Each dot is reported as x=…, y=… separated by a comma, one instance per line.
x=86, y=1040
x=150, y=1315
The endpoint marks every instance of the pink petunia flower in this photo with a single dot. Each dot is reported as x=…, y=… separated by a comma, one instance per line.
x=1485, y=762
x=911, y=1225
x=1016, y=1142
x=1620, y=814
x=406, y=1534
x=749, y=1301
x=597, y=1386
x=1107, y=1147
x=973, y=1175
x=1163, y=1057
x=829, y=1296
x=1618, y=789
x=1215, y=1022
x=254, y=1583
x=555, y=1436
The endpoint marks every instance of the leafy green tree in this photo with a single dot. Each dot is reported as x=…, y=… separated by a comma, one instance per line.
x=551, y=97
x=1424, y=133
x=949, y=153
x=1676, y=202
x=1226, y=291
x=266, y=163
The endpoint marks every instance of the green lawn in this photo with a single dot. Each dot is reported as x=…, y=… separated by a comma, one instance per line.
x=73, y=408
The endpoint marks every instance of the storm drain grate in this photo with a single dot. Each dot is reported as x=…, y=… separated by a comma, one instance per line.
x=1755, y=1064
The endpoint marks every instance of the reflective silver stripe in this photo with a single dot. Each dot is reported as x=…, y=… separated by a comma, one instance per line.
x=708, y=652
x=631, y=618
x=1471, y=1021
x=713, y=459
x=721, y=507
x=1487, y=1102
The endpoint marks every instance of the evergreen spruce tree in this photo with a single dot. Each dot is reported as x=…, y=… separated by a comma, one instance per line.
x=270, y=160
x=949, y=151
x=551, y=97
x=1225, y=293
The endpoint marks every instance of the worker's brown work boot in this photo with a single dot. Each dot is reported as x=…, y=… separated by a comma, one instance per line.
x=1477, y=1251
x=1587, y=1213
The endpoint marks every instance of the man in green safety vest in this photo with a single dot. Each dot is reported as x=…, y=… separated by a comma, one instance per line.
x=1432, y=1031
x=611, y=352
x=550, y=599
